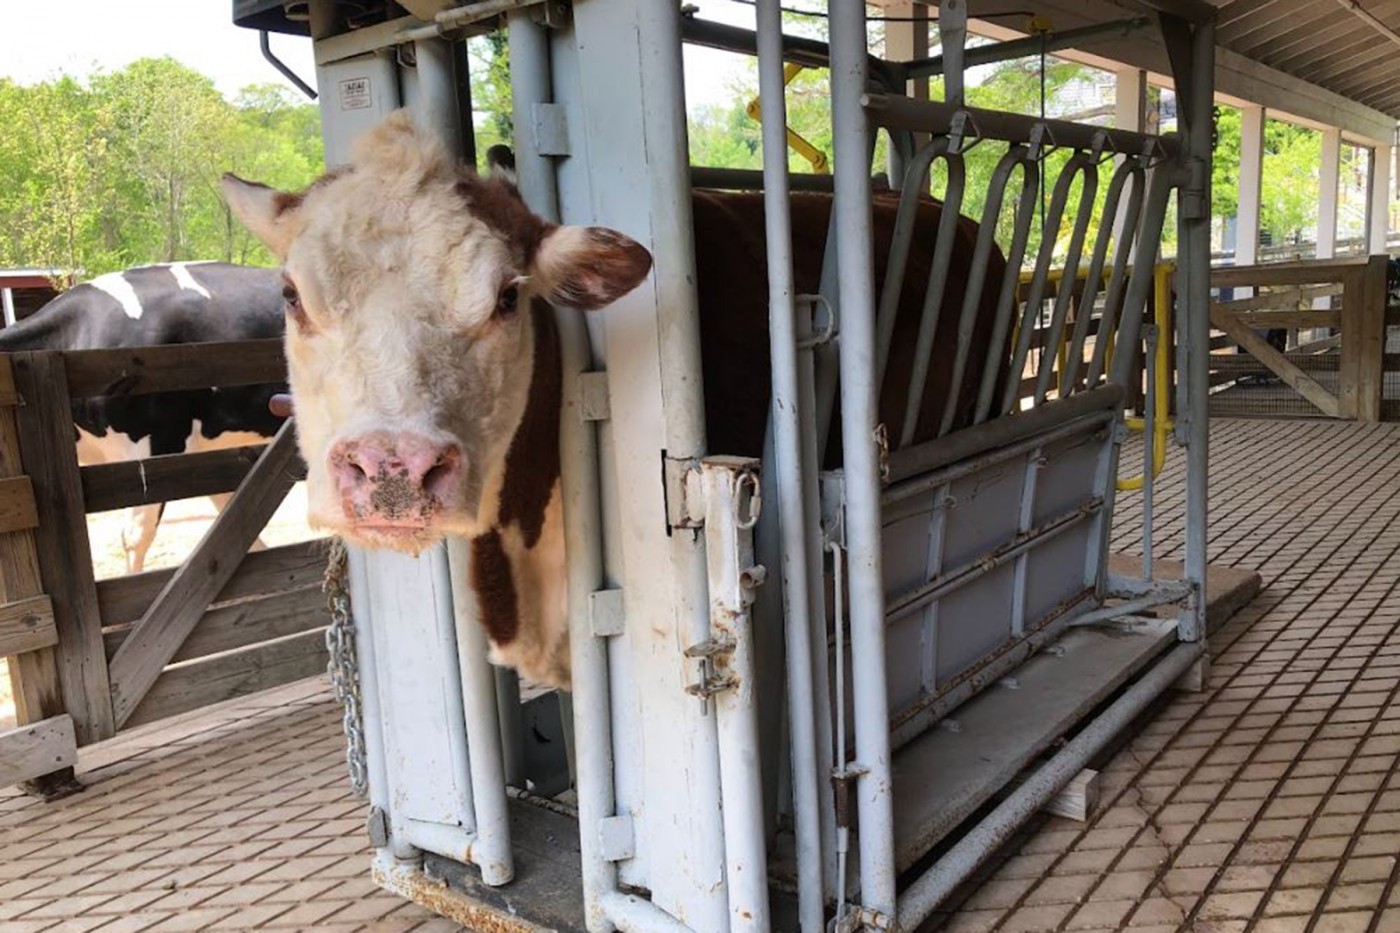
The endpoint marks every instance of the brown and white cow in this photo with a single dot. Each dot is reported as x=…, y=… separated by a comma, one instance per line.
x=425, y=367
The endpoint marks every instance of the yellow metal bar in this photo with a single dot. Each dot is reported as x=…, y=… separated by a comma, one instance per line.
x=796, y=143
x=1162, y=317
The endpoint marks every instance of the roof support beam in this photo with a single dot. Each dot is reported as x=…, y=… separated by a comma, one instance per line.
x=1251, y=186
x=1369, y=18
x=1329, y=184
x=1378, y=206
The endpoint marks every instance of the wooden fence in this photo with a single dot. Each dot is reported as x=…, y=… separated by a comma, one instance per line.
x=1334, y=315
x=96, y=656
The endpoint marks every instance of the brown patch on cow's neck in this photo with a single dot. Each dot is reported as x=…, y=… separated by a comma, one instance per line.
x=532, y=463
x=496, y=202
x=495, y=588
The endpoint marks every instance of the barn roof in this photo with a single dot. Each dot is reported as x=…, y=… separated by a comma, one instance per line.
x=1332, y=62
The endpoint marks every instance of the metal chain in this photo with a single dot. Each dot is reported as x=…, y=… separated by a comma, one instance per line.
x=344, y=667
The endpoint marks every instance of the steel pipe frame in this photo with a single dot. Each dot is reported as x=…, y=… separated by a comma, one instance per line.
x=1131, y=169
x=859, y=412
x=1079, y=163
x=797, y=527
x=935, y=462
x=729, y=558
x=531, y=84
x=955, y=866
x=490, y=850
x=923, y=116
x=912, y=191
x=1017, y=155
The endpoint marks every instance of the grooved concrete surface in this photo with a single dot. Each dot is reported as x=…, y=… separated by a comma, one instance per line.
x=1269, y=802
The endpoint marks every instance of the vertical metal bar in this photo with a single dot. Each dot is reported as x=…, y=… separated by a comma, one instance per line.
x=816, y=598
x=491, y=849
x=977, y=274
x=437, y=89
x=1195, y=313
x=1131, y=167
x=933, y=566
x=511, y=723
x=7, y=301
x=785, y=416
x=731, y=504
x=900, y=243
x=579, y=489
x=1010, y=283
x=1025, y=521
x=952, y=34
x=1123, y=257
x=934, y=295
x=859, y=411
x=1149, y=447
x=1149, y=240
x=1044, y=259
x=1087, y=193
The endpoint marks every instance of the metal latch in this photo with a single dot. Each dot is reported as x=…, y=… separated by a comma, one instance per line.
x=685, y=499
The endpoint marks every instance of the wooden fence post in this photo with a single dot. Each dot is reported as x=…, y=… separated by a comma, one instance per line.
x=1362, y=376
x=33, y=674
x=47, y=435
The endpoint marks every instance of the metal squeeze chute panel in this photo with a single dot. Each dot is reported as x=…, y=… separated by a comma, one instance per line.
x=420, y=701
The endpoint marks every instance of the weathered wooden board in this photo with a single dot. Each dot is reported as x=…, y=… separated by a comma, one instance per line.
x=17, y=511
x=126, y=483
x=195, y=684
x=37, y=749
x=1263, y=319
x=1280, y=298
x=1284, y=368
x=8, y=397
x=1283, y=273
x=1363, y=342
x=181, y=604
x=244, y=623
x=46, y=433
x=27, y=625
x=275, y=570
x=173, y=367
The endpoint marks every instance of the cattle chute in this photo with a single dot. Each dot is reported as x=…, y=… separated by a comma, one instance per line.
x=937, y=611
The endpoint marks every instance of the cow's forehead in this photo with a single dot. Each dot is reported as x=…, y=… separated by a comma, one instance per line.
x=440, y=234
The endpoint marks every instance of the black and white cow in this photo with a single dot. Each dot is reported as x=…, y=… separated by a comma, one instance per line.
x=183, y=302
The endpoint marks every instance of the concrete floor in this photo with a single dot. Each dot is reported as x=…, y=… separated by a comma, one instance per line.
x=1269, y=802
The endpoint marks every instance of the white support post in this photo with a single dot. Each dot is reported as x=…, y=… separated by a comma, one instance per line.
x=1329, y=178
x=907, y=41
x=1378, y=206
x=1251, y=176
x=1130, y=99
x=7, y=300
x=1129, y=113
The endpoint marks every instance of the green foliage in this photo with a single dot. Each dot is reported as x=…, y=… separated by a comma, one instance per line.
x=123, y=169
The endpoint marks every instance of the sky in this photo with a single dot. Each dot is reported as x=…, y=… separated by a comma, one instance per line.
x=79, y=36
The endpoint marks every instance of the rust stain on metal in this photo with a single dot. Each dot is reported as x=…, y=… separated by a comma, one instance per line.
x=454, y=905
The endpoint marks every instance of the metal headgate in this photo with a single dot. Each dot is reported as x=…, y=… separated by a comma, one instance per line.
x=956, y=579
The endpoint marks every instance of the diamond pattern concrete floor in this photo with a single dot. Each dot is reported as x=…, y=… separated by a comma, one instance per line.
x=1269, y=802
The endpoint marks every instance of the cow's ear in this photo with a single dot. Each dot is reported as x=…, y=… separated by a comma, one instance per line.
x=269, y=214
x=589, y=267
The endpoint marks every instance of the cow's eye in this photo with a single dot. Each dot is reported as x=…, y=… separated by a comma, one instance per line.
x=293, y=300
x=507, y=300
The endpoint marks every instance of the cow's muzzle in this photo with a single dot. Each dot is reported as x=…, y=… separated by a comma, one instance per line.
x=394, y=484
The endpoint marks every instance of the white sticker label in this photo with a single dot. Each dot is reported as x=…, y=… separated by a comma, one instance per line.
x=355, y=94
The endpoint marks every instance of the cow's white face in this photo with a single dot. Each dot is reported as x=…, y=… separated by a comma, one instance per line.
x=410, y=348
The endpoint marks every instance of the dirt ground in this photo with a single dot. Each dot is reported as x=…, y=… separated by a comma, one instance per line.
x=181, y=528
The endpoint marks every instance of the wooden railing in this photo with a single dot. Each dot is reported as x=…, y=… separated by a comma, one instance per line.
x=1335, y=313
x=108, y=654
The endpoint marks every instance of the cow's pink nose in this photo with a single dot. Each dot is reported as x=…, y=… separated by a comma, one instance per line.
x=394, y=479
